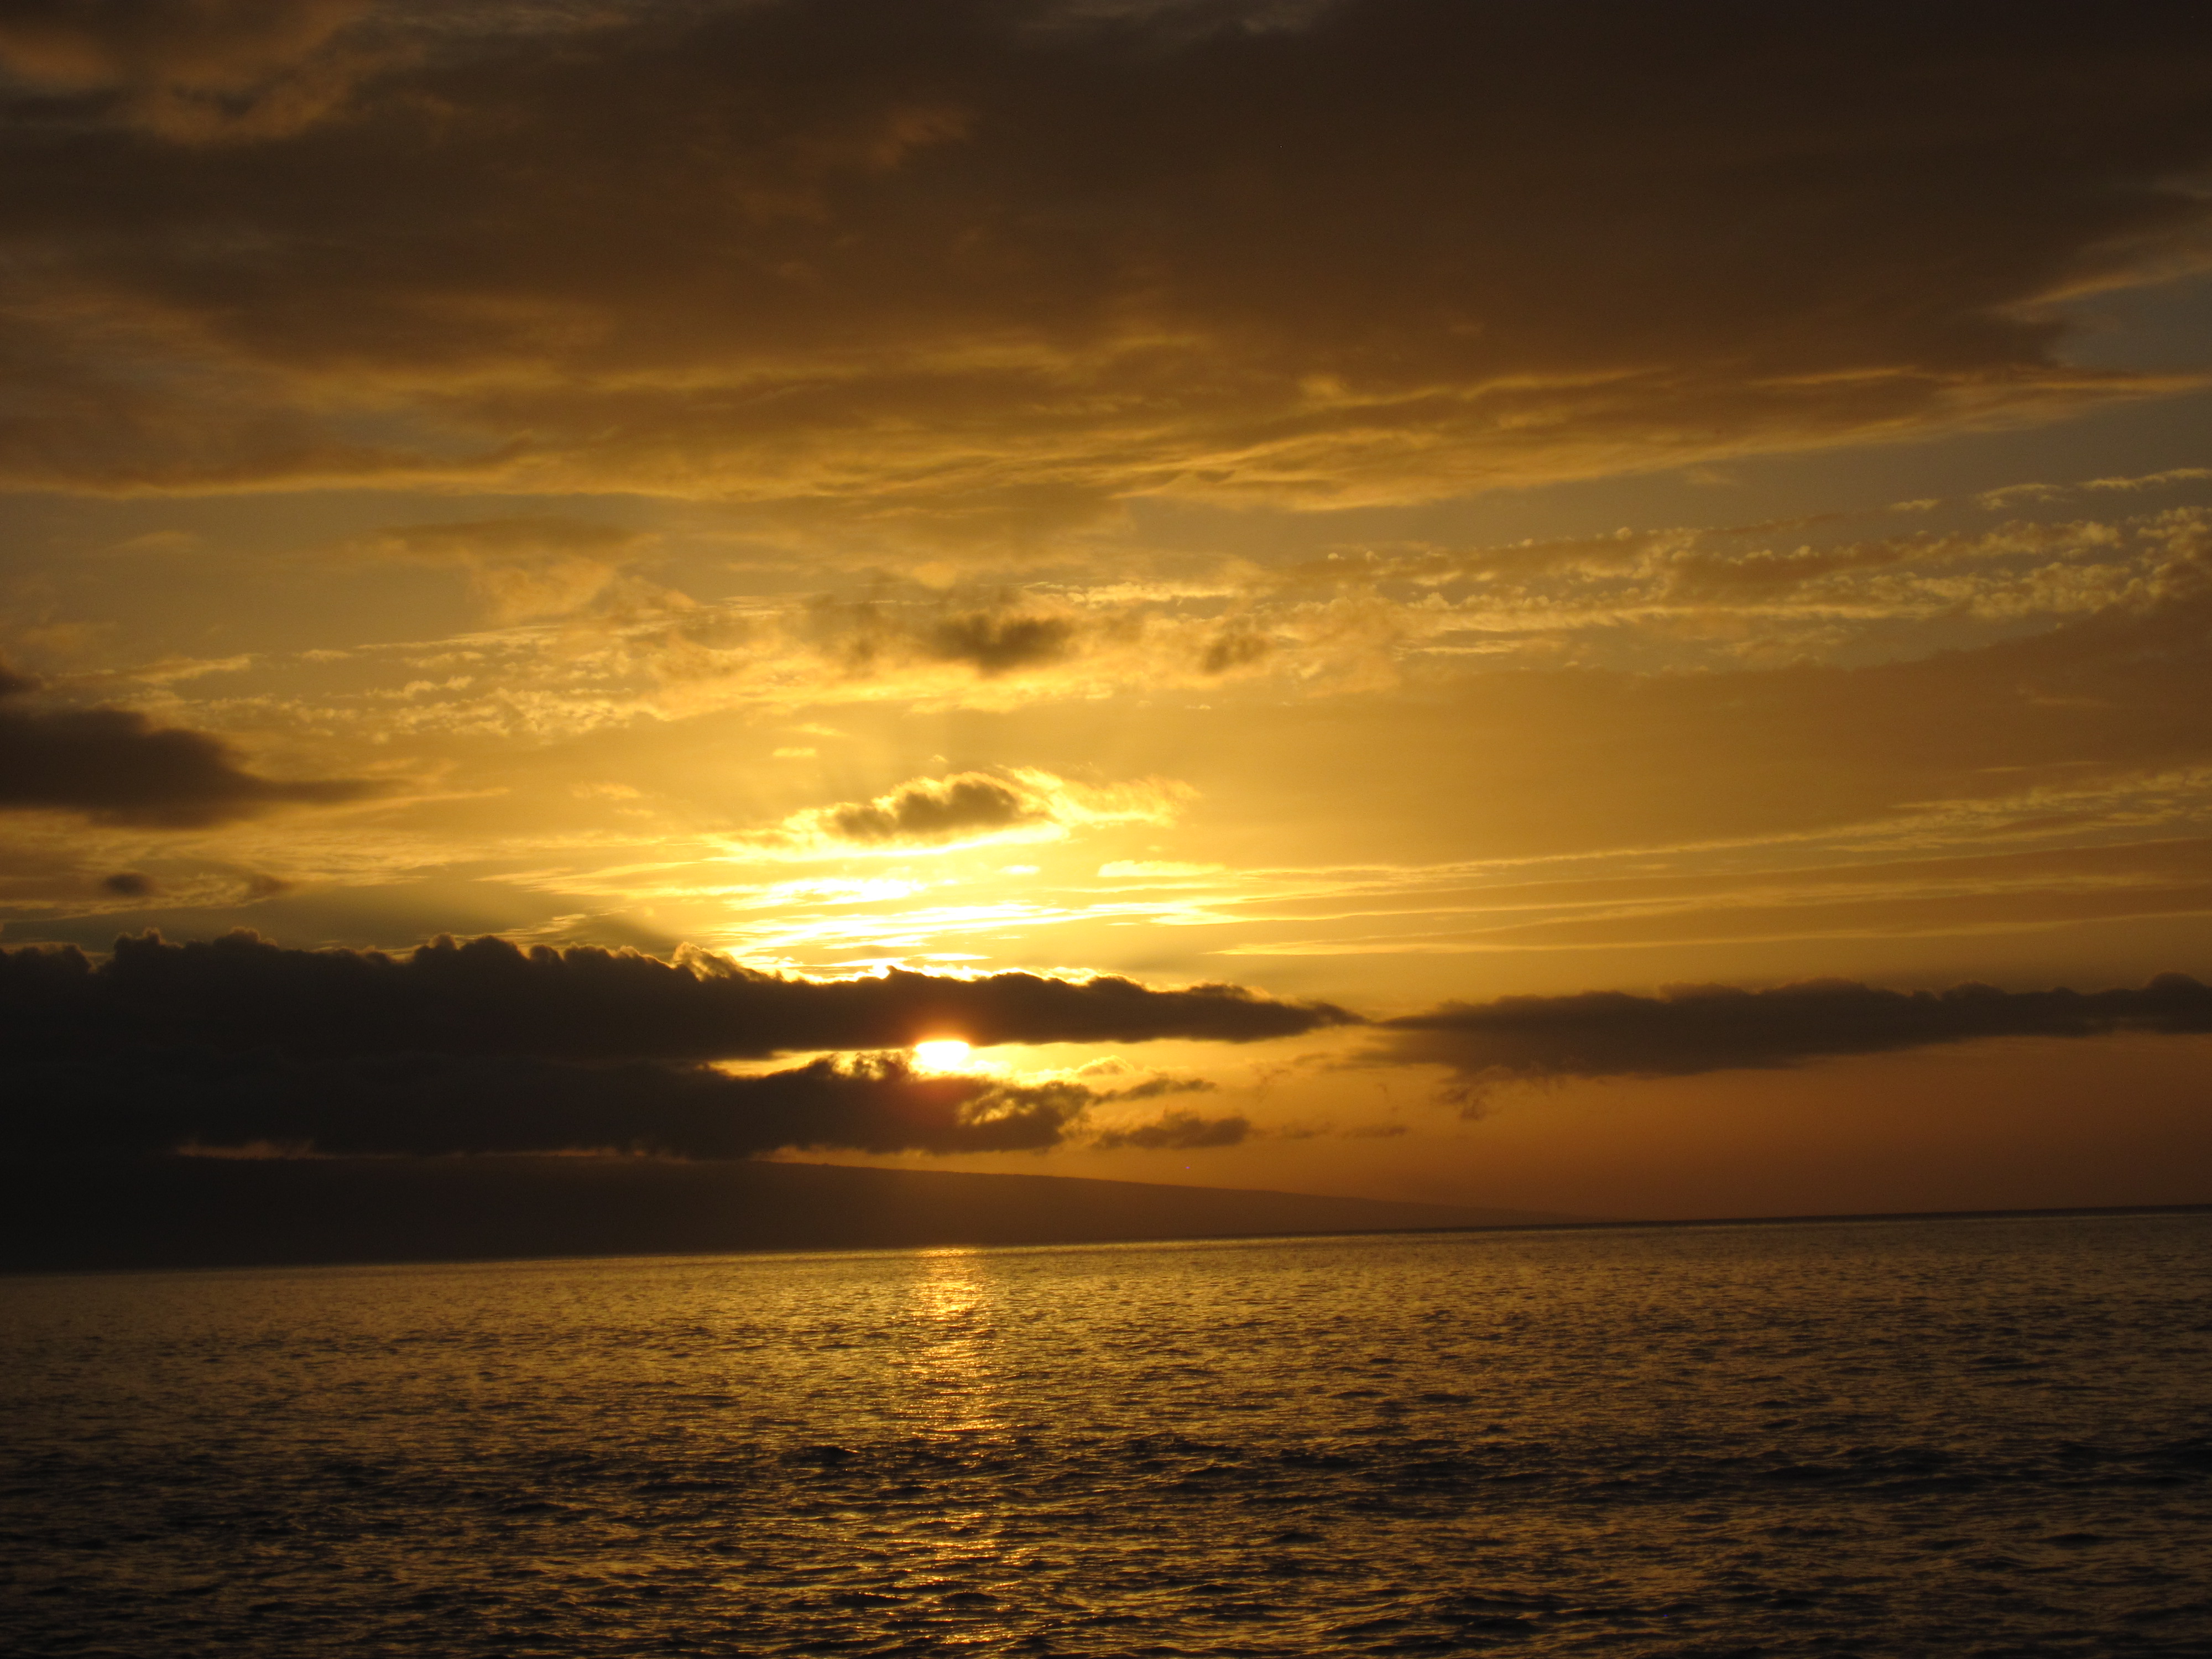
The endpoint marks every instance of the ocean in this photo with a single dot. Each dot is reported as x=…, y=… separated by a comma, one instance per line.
x=1943, y=1437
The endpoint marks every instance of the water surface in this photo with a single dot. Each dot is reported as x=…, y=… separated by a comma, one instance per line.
x=1957, y=1437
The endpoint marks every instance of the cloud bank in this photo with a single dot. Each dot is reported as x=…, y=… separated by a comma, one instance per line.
x=482, y=1048
x=241, y=995
x=1710, y=1027
x=143, y=1102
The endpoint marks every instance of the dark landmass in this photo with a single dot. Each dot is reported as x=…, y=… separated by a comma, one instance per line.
x=64, y=1215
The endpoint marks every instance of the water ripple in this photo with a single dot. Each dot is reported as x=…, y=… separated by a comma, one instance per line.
x=1963, y=1437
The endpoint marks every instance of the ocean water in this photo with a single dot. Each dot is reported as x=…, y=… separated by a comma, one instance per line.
x=1944, y=1438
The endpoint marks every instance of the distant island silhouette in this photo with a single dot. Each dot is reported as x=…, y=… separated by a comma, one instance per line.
x=62, y=1215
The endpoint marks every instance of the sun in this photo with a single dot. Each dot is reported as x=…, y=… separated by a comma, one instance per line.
x=942, y=1055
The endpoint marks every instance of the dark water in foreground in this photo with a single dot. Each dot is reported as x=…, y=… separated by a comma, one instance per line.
x=1970, y=1437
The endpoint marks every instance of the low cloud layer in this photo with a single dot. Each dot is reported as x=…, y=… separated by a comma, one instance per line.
x=116, y=766
x=146, y=1102
x=241, y=995
x=1697, y=1028
x=481, y=1048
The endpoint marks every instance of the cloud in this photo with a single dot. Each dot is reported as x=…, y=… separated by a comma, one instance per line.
x=193, y=71
x=241, y=995
x=1236, y=646
x=137, y=1103
x=116, y=766
x=990, y=264
x=2098, y=729
x=999, y=635
x=997, y=644
x=929, y=810
x=482, y=1048
x=1152, y=1087
x=1818, y=591
x=1691, y=1030
x=525, y=566
x=1021, y=804
x=1179, y=1130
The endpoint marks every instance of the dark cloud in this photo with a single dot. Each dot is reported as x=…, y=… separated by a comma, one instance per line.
x=116, y=766
x=1164, y=1084
x=128, y=883
x=1021, y=801
x=1020, y=256
x=207, y=70
x=145, y=1102
x=1696, y=1028
x=994, y=636
x=938, y=810
x=241, y=995
x=1179, y=1130
x=1234, y=647
x=997, y=643
x=482, y=1048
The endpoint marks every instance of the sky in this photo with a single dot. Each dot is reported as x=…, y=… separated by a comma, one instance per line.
x=1602, y=608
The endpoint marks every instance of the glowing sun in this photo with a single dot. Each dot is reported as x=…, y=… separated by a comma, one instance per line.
x=943, y=1055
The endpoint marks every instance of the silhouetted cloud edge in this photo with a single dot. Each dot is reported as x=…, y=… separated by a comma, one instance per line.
x=143, y=1102
x=243, y=993
x=1690, y=1030
x=116, y=766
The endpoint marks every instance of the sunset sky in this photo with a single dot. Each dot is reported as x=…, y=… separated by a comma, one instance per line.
x=1423, y=510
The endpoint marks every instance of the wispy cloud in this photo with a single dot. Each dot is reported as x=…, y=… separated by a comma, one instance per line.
x=602, y=648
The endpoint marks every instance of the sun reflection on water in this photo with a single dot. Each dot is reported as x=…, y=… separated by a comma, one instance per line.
x=952, y=1386
x=951, y=1390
